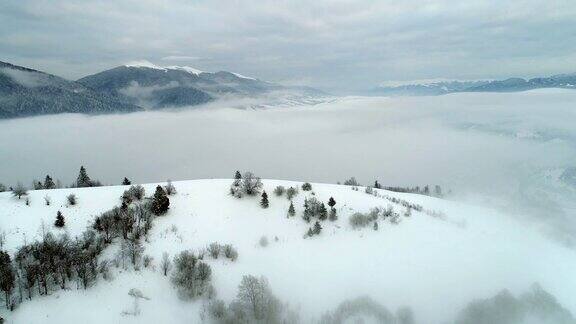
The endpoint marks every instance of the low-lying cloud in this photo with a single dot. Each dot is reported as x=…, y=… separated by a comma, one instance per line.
x=510, y=147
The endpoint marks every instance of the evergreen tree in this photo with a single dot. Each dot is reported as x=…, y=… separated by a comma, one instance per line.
x=160, y=202
x=323, y=212
x=307, y=212
x=49, y=183
x=375, y=226
x=331, y=202
x=264, y=201
x=7, y=278
x=83, y=179
x=291, y=210
x=126, y=182
x=317, y=228
x=377, y=185
x=310, y=232
x=306, y=186
x=37, y=185
x=59, y=220
x=238, y=175
x=333, y=215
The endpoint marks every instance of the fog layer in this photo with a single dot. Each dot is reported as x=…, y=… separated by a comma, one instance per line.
x=509, y=148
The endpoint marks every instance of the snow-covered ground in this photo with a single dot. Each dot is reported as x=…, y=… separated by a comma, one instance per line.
x=436, y=266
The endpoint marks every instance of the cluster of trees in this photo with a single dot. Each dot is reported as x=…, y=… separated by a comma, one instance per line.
x=405, y=203
x=246, y=184
x=50, y=264
x=254, y=303
x=314, y=209
x=437, y=192
x=83, y=180
x=215, y=250
x=362, y=220
x=53, y=262
x=191, y=276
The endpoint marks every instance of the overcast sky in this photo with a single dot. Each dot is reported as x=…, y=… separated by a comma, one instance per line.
x=334, y=45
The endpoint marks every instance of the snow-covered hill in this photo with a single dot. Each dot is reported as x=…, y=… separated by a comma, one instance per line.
x=434, y=261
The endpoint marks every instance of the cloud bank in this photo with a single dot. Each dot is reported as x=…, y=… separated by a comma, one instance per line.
x=338, y=46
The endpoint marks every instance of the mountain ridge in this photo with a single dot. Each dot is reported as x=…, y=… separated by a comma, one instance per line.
x=564, y=81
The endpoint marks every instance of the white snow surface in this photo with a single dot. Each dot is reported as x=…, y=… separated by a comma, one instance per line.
x=191, y=70
x=433, y=265
x=242, y=76
x=188, y=69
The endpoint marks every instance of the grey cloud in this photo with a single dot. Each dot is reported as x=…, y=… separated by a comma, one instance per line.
x=335, y=45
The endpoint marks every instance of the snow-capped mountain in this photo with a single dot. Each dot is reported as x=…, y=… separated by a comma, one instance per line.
x=565, y=81
x=28, y=92
x=151, y=86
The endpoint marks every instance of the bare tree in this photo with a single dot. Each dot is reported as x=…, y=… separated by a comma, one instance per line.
x=251, y=184
x=166, y=265
x=19, y=191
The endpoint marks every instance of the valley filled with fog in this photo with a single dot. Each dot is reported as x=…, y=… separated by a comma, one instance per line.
x=500, y=244
x=514, y=150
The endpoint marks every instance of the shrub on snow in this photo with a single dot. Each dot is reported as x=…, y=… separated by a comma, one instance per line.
x=359, y=220
x=191, y=276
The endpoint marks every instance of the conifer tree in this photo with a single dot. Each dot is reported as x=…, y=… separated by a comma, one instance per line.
x=59, y=220
x=306, y=186
x=49, y=183
x=238, y=175
x=126, y=182
x=375, y=226
x=264, y=201
x=323, y=212
x=331, y=202
x=310, y=232
x=291, y=210
x=7, y=277
x=377, y=185
x=83, y=179
x=307, y=212
x=317, y=228
x=160, y=202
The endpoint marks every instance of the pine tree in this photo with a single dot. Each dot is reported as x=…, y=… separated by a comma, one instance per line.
x=323, y=212
x=317, y=228
x=375, y=226
x=83, y=179
x=264, y=201
x=238, y=175
x=331, y=202
x=59, y=220
x=307, y=212
x=160, y=202
x=291, y=210
x=49, y=183
x=7, y=277
x=126, y=182
x=377, y=185
x=310, y=232
x=306, y=186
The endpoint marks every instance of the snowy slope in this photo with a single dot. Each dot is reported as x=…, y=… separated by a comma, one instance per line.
x=433, y=265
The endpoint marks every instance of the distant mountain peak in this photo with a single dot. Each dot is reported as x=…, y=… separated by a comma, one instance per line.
x=189, y=69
